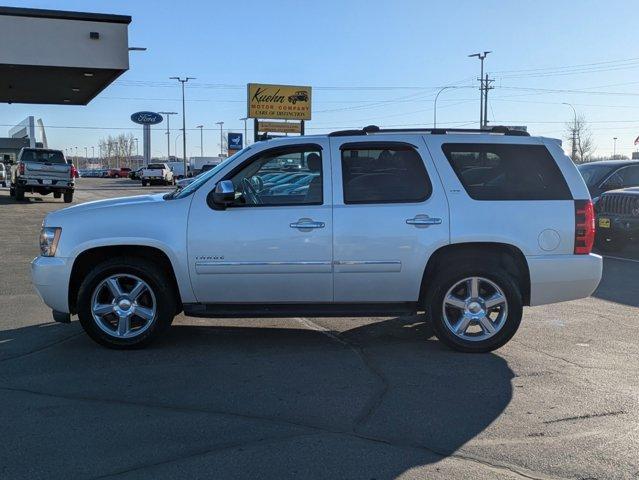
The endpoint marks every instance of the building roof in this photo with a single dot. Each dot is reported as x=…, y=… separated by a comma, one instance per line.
x=64, y=15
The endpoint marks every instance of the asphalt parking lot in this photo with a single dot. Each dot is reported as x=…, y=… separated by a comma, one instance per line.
x=340, y=398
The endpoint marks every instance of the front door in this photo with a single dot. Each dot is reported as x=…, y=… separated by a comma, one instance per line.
x=390, y=214
x=274, y=245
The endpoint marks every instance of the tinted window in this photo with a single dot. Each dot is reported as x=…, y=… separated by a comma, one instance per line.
x=507, y=172
x=43, y=156
x=279, y=177
x=630, y=176
x=383, y=174
x=593, y=174
x=155, y=166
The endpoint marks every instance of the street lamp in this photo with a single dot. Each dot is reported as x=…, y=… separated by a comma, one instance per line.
x=168, y=134
x=573, y=155
x=481, y=56
x=435, y=102
x=245, y=119
x=614, y=147
x=201, y=140
x=183, y=81
x=221, y=138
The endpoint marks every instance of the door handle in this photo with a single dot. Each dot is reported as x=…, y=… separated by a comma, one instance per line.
x=423, y=221
x=305, y=223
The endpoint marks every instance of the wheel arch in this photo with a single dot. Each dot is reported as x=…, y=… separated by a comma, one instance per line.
x=91, y=256
x=509, y=257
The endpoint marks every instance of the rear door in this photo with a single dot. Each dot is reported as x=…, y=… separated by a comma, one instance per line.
x=390, y=214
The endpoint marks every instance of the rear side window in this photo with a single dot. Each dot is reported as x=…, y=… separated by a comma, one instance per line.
x=43, y=156
x=392, y=173
x=507, y=172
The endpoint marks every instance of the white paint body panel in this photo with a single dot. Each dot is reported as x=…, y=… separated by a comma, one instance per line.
x=364, y=253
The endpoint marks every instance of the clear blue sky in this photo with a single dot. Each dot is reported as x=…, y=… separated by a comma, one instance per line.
x=369, y=62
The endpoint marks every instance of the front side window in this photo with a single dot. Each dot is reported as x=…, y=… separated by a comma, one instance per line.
x=279, y=177
x=507, y=172
x=392, y=173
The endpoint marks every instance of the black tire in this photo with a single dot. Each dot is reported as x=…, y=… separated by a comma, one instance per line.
x=12, y=191
x=447, y=277
x=19, y=193
x=68, y=197
x=146, y=270
x=57, y=194
x=143, y=183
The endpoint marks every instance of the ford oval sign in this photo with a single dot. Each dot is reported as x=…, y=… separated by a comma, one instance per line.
x=146, y=118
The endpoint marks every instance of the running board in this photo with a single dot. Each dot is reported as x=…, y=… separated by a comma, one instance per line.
x=254, y=310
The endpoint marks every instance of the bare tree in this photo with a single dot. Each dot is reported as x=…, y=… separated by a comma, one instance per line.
x=117, y=151
x=578, y=132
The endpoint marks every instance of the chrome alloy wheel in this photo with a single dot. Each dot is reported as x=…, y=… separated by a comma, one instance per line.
x=475, y=309
x=123, y=306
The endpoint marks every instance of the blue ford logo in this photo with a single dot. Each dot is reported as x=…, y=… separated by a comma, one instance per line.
x=146, y=118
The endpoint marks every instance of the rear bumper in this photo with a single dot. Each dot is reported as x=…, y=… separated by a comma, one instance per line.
x=50, y=277
x=620, y=226
x=38, y=184
x=559, y=278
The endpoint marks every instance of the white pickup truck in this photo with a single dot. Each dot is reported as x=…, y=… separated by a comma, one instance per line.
x=157, y=173
x=466, y=226
x=42, y=171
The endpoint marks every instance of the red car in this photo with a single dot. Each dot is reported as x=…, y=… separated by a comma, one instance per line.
x=119, y=173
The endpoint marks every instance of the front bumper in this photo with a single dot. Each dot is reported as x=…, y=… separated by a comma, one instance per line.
x=559, y=278
x=50, y=277
x=620, y=226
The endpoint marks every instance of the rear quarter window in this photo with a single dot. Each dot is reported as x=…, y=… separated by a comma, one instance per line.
x=507, y=172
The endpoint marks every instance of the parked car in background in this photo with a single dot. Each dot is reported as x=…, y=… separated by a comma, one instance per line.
x=135, y=174
x=391, y=224
x=617, y=219
x=158, y=174
x=43, y=171
x=122, y=172
x=178, y=170
x=3, y=175
x=603, y=176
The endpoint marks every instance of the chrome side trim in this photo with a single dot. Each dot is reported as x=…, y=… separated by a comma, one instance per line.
x=246, y=267
x=367, y=262
x=241, y=264
x=367, y=266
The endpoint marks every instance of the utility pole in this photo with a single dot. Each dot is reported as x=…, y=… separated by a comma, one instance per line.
x=183, y=81
x=481, y=56
x=221, y=138
x=573, y=155
x=168, y=133
x=487, y=87
x=245, y=119
x=614, y=147
x=201, y=140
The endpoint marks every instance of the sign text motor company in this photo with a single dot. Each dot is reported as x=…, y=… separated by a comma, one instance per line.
x=279, y=101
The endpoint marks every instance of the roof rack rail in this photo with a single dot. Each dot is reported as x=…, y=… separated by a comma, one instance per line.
x=433, y=131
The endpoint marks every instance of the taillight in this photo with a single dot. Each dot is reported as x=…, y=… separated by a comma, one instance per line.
x=584, y=226
x=21, y=169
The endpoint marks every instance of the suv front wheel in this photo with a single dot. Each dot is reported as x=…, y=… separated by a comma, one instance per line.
x=126, y=302
x=474, y=308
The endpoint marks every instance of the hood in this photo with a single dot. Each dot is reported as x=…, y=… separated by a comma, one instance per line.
x=98, y=205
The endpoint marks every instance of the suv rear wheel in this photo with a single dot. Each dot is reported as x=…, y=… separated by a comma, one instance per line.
x=126, y=302
x=474, y=307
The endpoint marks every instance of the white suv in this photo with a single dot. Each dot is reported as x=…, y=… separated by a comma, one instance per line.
x=466, y=226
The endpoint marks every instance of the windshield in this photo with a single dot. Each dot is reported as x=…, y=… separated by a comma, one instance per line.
x=155, y=166
x=202, y=178
x=43, y=156
x=593, y=174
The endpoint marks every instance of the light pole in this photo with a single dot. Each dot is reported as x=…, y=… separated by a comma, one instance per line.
x=614, y=147
x=245, y=119
x=201, y=140
x=183, y=81
x=168, y=134
x=221, y=138
x=481, y=57
x=435, y=104
x=92, y=153
x=573, y=154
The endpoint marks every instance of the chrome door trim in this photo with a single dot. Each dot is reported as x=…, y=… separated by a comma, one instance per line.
x=367, y=266
x=257, y=267
x=235, y=264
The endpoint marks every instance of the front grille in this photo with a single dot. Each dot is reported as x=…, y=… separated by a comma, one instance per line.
x=619, y=204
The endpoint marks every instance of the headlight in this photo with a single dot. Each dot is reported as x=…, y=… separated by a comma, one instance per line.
x=49, y=237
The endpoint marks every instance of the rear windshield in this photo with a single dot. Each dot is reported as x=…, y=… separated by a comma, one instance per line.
x=43, y=156
x=507, y=172
x=155, y=166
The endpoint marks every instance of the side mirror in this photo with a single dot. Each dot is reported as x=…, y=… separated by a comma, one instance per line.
x=222, y=195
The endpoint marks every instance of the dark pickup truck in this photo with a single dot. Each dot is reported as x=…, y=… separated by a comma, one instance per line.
x=617, y=218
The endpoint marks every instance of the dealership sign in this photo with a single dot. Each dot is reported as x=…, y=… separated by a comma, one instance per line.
x=285, y=102
x=146, y=118
x=234, y=141
x=279, y=127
